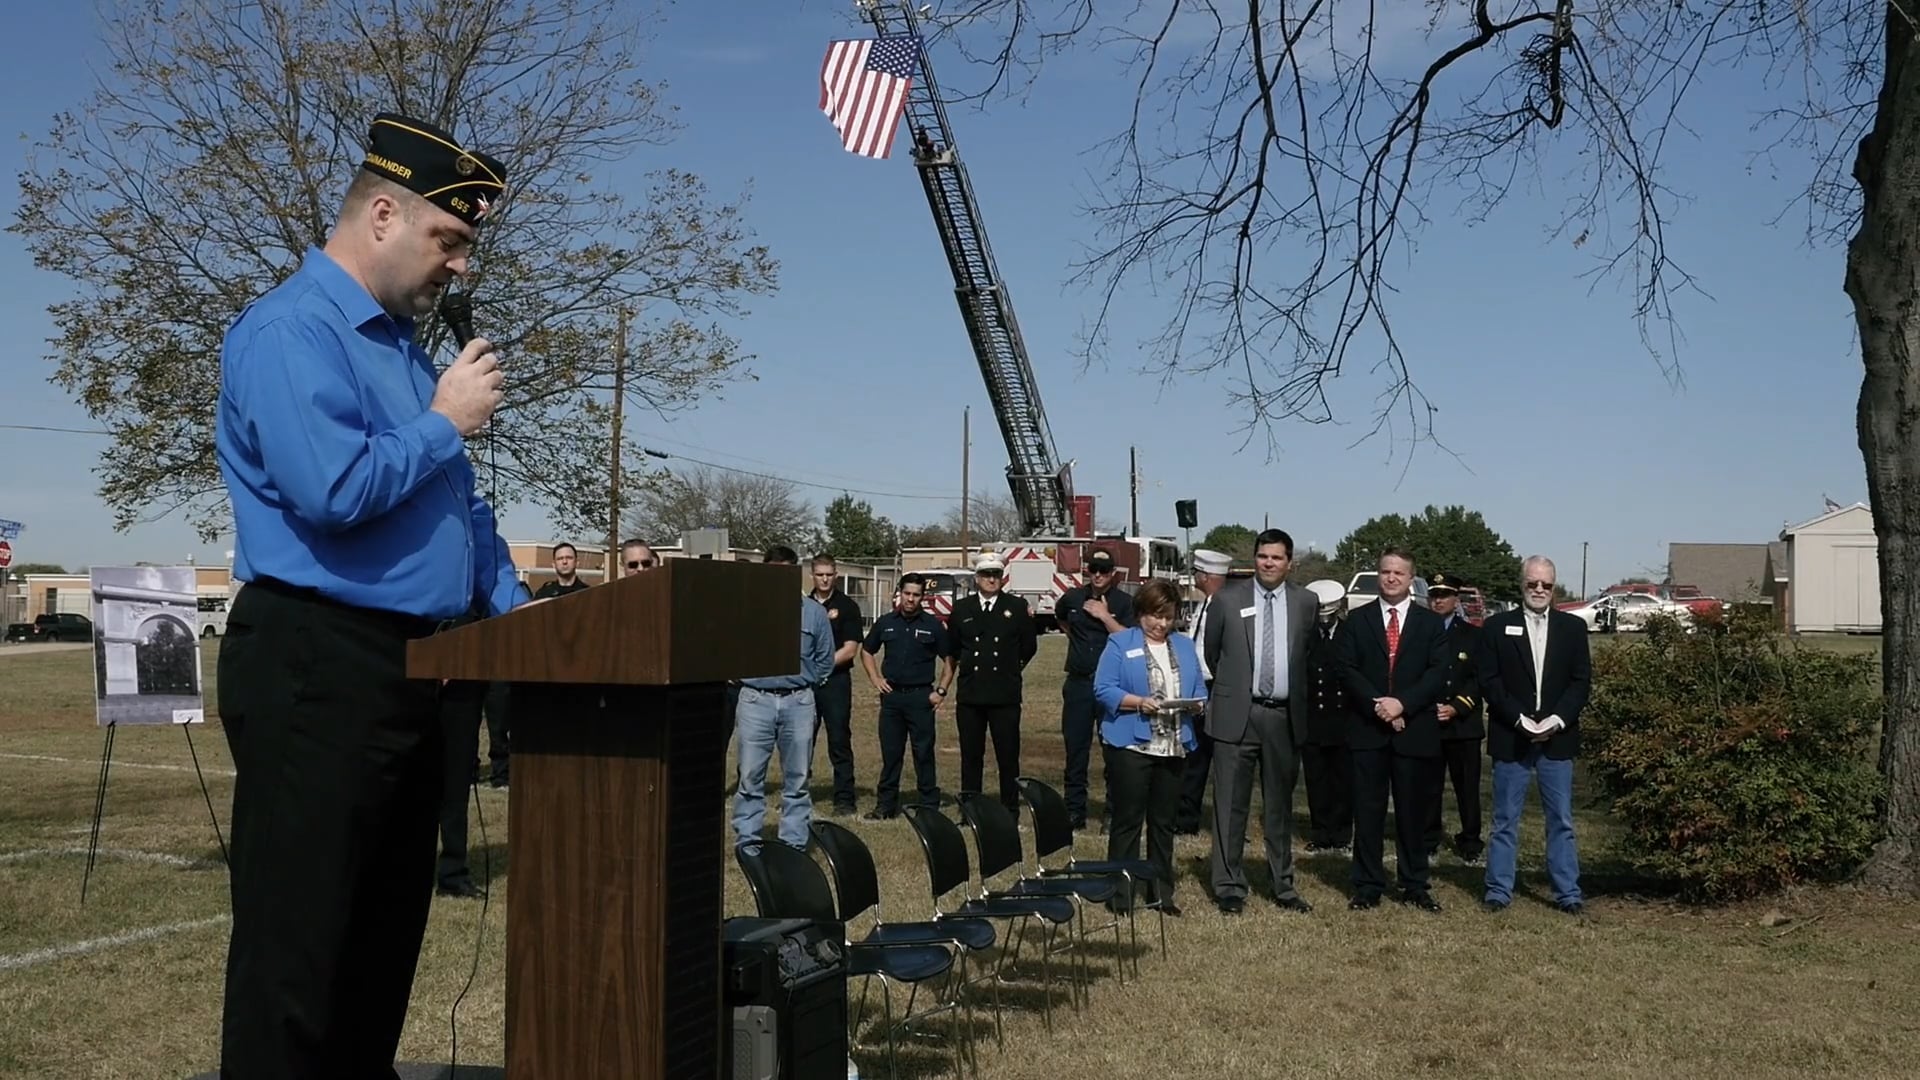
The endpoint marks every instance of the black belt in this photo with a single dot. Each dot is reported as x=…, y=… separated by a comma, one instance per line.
x=411, y=626
x=1270, y=702
x=909, y=686
x=785, y=691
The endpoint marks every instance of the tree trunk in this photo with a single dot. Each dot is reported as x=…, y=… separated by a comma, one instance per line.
x=1883, y=280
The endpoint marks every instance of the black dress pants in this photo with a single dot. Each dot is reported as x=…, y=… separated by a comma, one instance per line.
x=1079, y=715
x=1411, y=782
x=499, y=733
x=1462, y=758
x=1329, y=772
x=976, y=722
x=833, y=710
x=338, y=759
x=460, y=706
x=1145, y=788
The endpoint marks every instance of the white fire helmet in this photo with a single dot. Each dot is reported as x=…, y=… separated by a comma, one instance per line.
x=1331, y=594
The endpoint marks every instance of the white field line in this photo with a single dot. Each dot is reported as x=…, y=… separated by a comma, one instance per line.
x=22, y=961
x=117, y=764
x=161, y=858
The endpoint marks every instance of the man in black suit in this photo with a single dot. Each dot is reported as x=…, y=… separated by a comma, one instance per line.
x=1393, y=658
x=993, y=639
x=1535, y=672
x=1461, y=726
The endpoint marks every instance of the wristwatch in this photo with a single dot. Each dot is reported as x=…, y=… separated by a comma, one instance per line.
x=941, y=690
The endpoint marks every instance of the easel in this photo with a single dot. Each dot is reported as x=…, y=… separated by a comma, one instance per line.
x=100, y=801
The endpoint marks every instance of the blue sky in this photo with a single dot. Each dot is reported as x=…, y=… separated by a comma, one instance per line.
x=1565, y=430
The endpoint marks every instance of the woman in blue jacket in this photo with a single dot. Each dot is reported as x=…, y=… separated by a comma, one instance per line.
x=1147, y=745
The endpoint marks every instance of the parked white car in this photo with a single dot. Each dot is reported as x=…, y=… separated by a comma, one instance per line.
x=1627, y=611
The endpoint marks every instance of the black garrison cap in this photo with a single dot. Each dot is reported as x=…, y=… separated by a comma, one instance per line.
x=427, y=161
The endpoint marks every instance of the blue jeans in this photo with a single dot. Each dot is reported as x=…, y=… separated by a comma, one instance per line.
x=1511, y=779
x=763, y=721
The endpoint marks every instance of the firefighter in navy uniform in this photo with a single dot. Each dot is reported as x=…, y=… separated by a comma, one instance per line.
x=911, y=683
x=1462, y=726
x=1327, y=760
x=993, y=640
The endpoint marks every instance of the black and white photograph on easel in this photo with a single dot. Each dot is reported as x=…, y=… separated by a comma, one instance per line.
x=146, y=646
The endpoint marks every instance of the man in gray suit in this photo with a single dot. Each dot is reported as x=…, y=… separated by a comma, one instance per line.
x=1256, y=646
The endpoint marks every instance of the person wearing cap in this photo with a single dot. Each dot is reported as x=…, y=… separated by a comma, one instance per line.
x=357, y=527
x=993, y=640
x=1256, y=648
x=1209, y=574
x=1325, y=761
x=1461, y=726
x=1088, y=614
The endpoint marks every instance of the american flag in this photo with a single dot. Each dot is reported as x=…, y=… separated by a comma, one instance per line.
x=863, y=90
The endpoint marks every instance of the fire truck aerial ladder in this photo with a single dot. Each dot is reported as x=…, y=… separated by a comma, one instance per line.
x=1042, y=485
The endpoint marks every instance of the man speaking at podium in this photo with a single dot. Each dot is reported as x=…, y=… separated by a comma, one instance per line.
x=357, y=528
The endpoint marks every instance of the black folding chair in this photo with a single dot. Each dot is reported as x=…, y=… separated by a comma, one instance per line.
x=786, y=884
x=856, y=884
x=1053, y=833
x=945, y=848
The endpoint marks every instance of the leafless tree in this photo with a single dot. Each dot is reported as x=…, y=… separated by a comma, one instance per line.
x=214, y=151
x=1280, y=156
x=757, y=511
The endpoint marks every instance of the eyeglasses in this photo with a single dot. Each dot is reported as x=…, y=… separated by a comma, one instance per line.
x=988, y=573
x=648, y=563
x=1540, y=586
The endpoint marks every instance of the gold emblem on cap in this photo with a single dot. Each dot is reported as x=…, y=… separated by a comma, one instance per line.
x=465, y=165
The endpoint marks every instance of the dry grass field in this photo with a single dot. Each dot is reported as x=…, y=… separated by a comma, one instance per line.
x=129, y=985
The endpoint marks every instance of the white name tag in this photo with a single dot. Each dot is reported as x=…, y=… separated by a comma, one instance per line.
x=1135, y=654
x=1246, y=612
x=1516, y=631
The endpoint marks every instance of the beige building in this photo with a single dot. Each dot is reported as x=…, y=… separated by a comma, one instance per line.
x=1833, y=566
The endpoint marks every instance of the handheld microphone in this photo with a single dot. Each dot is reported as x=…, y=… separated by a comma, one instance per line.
x=456, y=310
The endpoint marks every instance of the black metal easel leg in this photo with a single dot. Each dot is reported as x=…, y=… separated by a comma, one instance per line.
x=99, y=809
x=211, y=816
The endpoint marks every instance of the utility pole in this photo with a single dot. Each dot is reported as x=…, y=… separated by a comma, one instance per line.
x=1583, y=569
x=613, y=482
x=1133, y=489
x=966, y=453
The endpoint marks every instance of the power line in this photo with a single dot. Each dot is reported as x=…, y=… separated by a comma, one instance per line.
x=797, y=483
x=652, y=453
x=63, y=430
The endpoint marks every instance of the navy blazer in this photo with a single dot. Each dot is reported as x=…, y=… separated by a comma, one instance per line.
x=1123, y=670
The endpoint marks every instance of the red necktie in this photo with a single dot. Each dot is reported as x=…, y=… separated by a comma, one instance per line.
x=1393, y=636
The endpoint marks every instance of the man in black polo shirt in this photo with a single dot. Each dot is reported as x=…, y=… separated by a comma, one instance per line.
x=914, y=642
x=834, y=700
x=1087, y=614
x=566, y=562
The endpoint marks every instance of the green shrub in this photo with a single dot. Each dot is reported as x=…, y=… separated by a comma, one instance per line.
x=1737, y=761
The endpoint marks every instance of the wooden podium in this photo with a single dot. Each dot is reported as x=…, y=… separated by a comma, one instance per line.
x=617, y=821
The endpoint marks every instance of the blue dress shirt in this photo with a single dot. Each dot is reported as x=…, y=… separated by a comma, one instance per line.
x=341, y=478
x=816, y=652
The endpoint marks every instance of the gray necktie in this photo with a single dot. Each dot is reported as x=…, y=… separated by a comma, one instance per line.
x=1268, y=660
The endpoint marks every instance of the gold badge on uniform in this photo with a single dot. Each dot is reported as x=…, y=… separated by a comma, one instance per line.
x=464, y=165
x=1007, y=612
x=1463, y=656
x=833, y=613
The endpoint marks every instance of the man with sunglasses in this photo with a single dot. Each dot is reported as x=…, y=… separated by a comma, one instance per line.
x=1535, y=671
x=636, y=556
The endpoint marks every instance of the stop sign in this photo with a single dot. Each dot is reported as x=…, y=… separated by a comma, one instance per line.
x=6, y=554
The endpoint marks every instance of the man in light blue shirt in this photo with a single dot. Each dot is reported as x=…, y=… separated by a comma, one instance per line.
x=357, y=529
x=778, y=711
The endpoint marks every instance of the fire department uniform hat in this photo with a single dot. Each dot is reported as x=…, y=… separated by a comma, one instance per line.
x=1443, y=585
x=429, y=162
x=988, y=560
x=1211, y=562
x=1100, y=561
x=1328, y=592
